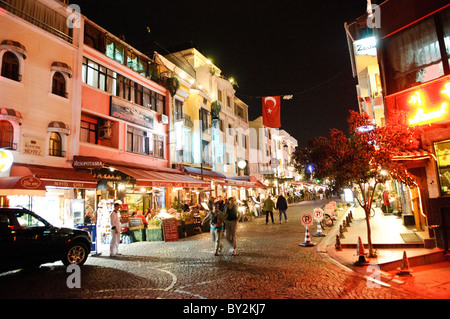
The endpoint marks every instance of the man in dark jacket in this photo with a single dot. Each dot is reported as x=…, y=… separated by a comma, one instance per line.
x=282, y=206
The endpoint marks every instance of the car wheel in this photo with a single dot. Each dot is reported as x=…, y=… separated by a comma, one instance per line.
x=76, y=253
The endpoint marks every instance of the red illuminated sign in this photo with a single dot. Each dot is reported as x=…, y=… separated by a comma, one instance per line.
x=425, y=104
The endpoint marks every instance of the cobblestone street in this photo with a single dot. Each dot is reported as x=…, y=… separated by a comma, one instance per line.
x=270, y=264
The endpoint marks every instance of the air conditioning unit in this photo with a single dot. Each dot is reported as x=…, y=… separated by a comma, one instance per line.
x=103, y=124
x=104, y=133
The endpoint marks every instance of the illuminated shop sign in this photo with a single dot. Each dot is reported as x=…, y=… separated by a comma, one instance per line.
x=428, y=103
x=366, y=46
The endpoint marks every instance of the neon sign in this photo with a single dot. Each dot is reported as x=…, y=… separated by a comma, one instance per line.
x=423, y=117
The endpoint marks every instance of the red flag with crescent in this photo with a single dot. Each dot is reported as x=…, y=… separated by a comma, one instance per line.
x=271, y=111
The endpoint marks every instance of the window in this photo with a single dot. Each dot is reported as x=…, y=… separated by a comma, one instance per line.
x=178, y=110
x=442, y=150
x=88, y=132
x=413, y=56
x=59, y=84
x=6, y=134
x=55, y=145
x=204, y=119
x=26, y=220
x=158, y=146
x=138, y=141
x=10, y=66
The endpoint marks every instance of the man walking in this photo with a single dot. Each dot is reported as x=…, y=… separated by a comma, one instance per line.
x=115, y=231
x=231, y=216
x=282, y=206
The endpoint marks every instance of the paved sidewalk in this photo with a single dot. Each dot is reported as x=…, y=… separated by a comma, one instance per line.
x=430, y=267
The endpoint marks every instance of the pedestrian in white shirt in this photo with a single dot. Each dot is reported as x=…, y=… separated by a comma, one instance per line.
x=115, y=231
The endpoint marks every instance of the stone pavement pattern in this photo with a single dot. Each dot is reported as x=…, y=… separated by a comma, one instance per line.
x=270, y=265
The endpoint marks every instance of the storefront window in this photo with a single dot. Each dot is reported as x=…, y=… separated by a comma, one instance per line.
x=442, y=150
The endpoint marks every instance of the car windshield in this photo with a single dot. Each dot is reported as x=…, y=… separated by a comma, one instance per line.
x=27, y=220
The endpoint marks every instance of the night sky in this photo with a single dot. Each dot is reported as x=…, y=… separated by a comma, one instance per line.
x=270, y=47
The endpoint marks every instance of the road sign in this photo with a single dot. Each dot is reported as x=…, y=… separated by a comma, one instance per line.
x=307, y=219
x=318, y=214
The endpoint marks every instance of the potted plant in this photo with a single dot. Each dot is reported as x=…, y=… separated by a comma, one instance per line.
x=215, y=110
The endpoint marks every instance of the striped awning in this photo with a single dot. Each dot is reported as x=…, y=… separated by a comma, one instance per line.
x=61, y=67
x=10, y=115
x=58, y=126
x=13, y=46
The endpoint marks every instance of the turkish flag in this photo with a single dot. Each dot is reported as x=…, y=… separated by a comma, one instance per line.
x=271, y=111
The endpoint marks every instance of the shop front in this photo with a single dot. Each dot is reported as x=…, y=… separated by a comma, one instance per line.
x=145, y=193
x=427, y=106
x=62, y=196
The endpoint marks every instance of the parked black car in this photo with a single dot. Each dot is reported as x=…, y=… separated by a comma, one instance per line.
x=28, y=240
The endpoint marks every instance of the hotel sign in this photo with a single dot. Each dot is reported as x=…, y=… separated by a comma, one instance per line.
x=425, y=104
x=131, y=112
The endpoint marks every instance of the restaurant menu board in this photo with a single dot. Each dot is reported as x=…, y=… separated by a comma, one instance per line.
x=170, y=229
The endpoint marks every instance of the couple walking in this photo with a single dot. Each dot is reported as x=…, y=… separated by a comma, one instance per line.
x=223, y=221
x=269, y=206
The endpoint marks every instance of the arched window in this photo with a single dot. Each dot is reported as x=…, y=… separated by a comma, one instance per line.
x=10, y=66
x=6, y=134
x=55, y=146
x=59, y=84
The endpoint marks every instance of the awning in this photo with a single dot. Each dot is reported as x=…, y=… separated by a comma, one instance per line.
x=11, y=115
x=416, y=155
x=209, y=174
x=243, y=181
x=58, y=126
x=61, y=67
x=161, y=179
x=56, y=176
x=14, y=46
x=21, y=185
x=145, y=175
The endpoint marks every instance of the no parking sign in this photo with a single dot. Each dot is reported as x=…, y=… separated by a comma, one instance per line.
x=318, y=214
x=307, y=219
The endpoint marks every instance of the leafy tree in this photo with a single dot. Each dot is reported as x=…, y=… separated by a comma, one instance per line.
x=362, y=158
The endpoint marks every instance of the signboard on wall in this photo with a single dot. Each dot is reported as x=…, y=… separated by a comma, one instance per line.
x=33, y=145
x=131, y=112
x=424, y=104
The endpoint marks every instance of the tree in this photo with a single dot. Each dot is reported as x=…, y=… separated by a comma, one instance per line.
x=362, y=158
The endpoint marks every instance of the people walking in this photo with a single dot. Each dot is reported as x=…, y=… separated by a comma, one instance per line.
x=115, y=231
x=282, y=207
x=268, y=207
x=231, y=216
x=216, y=219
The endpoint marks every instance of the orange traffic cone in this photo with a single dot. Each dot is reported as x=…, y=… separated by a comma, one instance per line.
x=361, y=253
x=307, y=242
x=404, y=269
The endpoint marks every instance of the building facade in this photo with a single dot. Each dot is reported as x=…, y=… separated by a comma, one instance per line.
x=413, y=54
x=39, y=95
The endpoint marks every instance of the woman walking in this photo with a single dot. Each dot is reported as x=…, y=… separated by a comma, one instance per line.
x=216, y=226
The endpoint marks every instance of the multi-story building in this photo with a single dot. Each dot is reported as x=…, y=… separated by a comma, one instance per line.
x=413, y=52
x=84, y=115
x=39, y=95
x=224, y=135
